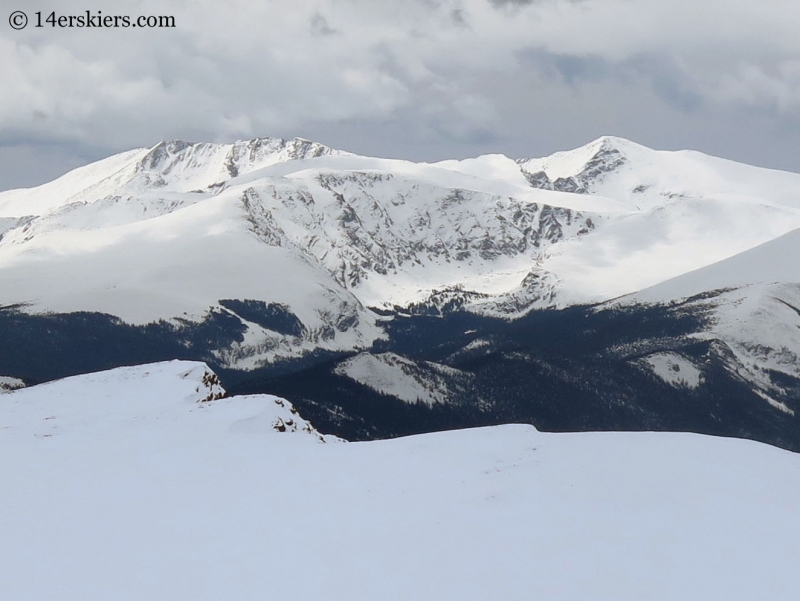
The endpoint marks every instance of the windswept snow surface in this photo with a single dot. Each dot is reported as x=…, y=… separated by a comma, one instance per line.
x=128, y=485
x=773, y=262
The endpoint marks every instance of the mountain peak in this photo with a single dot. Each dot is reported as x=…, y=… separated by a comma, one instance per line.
x=199, y=165
x=611, y=143
x=579, y=169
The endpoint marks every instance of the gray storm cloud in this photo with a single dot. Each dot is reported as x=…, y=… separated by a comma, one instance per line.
x=424, y=79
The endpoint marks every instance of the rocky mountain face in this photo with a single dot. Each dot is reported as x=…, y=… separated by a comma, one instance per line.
x=605, y=159
x=607, y=287
x=368, y=228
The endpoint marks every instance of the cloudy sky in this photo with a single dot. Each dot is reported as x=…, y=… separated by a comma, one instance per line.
x=419, y=79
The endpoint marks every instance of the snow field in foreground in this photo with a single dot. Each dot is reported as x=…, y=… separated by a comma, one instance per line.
x=126, y=485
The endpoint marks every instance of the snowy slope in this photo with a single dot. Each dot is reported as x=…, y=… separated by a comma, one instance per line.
x=108, y=173
x=769, y=263
x=141, y=401
x=180, y=265
x=127, y=485
x=755, y=311
x=397, y=376
x=760, y=327
x=674, y=369
x=689, y=210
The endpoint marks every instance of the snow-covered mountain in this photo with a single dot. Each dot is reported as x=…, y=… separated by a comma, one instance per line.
x=386, y=231
x=149, y=235
x=281, y=255
x=169, y=232
x=137, y=483
x=674, y=212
